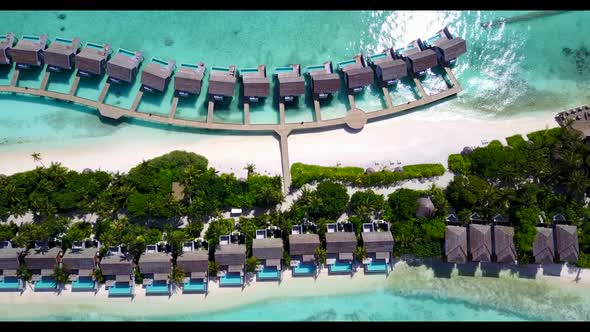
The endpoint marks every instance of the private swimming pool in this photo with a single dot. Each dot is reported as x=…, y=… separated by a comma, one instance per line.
x=83, y=283
x=120, y=289
x=231, y=279
x=379, y=266
x=10, y=283
x=46, y=283
x=304, y=269
x=340, y=267
x=194, y=285
x=157, y=287
x=268, y=273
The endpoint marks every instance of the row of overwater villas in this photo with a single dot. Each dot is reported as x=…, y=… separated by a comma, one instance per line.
x=155, y=264
x=556, y=241
x=95, y=59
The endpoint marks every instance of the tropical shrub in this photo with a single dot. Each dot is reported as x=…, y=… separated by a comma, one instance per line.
x=459, y=164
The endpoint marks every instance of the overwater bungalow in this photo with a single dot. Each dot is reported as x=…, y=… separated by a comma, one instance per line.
x=156, y=75
x=503, y=240
x=10, y=259
x=195, y=263
x=479, y=240
x=544, y=247
x=357, y=74
x=566, y=241
x=303, y=243
x=28, y=51
x=92, y=59
x=388, y=69
x=323, y=80
x=446, y=46
x=80, y=263
x=231, y=257
x=378, y=243
x=455, y=243
x=417, y=57
x=61, y=54
x=340, y=247
x=291, y=83
x=256, y=84
x=6, y=44
x=155, y=265
x=189, y=79
x=123, y=66
x=222, y=82
x=41, y=261
x=269, y=251
x=117, y=269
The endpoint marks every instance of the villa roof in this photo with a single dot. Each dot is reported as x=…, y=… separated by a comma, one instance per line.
x=41, y=259
x=154, y=262
x=83, y=259
x=267, y=248
x=116, y=265
x=566, y=239
x=189, y=79
x=256, y=84
x=5, y=47
x=291, y=86
x=377, y=241
x=504, y=244
x=423, y=60
x=230, y=254
x=325, y=83
x=9, y=258
x=388, y=69
x=340, y=242
x=543, y=247
x=480, y=242
x=303, y=244
x=124, y=67
x=157, y=76
x=451, y=48
x=92, y=60
x=358, y=77
x=456, y=244
x=222, y=83
x=193, y=261
x=425, y=207
x=61, y=55
x=28, y=51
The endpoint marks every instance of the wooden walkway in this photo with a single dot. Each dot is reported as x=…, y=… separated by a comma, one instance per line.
x=355, y=117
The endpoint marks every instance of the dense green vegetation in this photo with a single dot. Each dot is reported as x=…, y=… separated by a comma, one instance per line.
x=302, y=174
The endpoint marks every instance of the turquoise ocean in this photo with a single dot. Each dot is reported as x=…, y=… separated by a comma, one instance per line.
x=511, y=70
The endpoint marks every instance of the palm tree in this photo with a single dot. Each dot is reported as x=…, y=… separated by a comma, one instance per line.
x=37, y=158
x=250, y=168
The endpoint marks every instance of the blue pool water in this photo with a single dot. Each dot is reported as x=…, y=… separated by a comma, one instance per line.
x=83, y=283
x=120, y=289
x=340, y=267
x=231, y=279
x=304, y=269
x=268, y=273
x=9, y=283
x=194, y=285
x=376, y=267
x=157, y=287
x=46, y=283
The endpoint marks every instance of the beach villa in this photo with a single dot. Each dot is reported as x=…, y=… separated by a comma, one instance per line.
x=154, y=265
x=156, y=76
x=6, y=44
x=222, y=83
x=389, y=69
x=418, y=58
x=92, y=59
x=28, y=51
x=378, y=243
x=117, y=269
x=80, y=263
x=455, y=243
x=503, y=240
x=195, y=264
x=41, y=261
x=256, y=84
x=231, y=257
x=543, y=247
x=479, y=240
x=357, y=74
x=340, y=247
x=269, y=251
x=189, y=79
x=291, y=83
x=446, y=46
x=123, y=66
x=566, y=240
x=323, y=80
x=303, y=243
x=61, y=54
x=9, y=264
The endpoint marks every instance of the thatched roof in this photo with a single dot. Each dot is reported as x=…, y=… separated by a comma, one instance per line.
x=193, y=261
x=303, y=244
x=156, y=75
x=566, y=239
x=480, y=242
x=340, y=242
x=92, y=60
x=543, y=247
x=154, y=262
x=189, y=79
x=425, y=207
x=9, y=258
x=377, y=241
x=40, y=259
x=116, y=265
x=422, y=60
x=61, y=55
x=230, y=254
x=504, y=244
x=456, y=244
x=82, y=259
x=267, y=248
